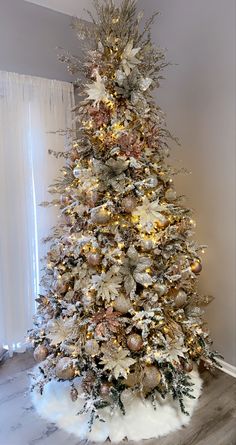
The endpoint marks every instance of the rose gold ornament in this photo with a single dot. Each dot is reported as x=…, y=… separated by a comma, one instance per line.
x=170, y=195
x=102, y=216
x=94, y=259
x=40, y=353
x=122, y=304
x=91, y=347
x=128, y=204
x=65, y=369
x=134, y=342
x=180, y=298
x=152, y=377
x=196, y=267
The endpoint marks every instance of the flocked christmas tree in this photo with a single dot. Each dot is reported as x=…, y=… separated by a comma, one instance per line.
x=120, y=306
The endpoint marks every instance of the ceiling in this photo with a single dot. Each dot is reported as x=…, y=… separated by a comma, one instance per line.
x=70, y=7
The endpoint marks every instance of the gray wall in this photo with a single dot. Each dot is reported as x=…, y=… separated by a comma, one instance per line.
x=199, y=98
x=29, y=36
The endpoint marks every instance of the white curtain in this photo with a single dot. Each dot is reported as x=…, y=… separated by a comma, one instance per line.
x=31, y=109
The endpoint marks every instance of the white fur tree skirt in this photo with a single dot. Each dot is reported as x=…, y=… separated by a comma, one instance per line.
x=140, y=422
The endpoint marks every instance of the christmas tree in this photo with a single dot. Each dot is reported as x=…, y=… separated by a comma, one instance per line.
x=120, y=307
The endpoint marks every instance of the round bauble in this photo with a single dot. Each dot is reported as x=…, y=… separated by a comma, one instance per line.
x=134, y=342
x=94, y=259
x=196, y=267
x=180, y=298
x=65, y=369
x=133, y=379
x=128, y=204
x=76, y=172
x=147, y=244
x=160, y=288
x=122, y=304
x=170, y=194
x=40, y=353
x=152, y=378
x=101, y=216
x=163, y=223
x=91, y=347
x=152, y=182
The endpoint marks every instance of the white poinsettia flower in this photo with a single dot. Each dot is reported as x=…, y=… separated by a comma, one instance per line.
x=149, y=213
x=134, y=270
x=96, y=91
x=107, y=285
x=128, y=59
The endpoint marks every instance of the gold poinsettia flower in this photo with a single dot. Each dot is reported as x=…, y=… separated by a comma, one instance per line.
x=128, y=58
x=149, y=213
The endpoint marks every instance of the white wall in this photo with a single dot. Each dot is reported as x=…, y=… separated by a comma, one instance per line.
x=199, y=98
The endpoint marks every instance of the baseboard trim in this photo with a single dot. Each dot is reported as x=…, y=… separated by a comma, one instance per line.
x=227, y=368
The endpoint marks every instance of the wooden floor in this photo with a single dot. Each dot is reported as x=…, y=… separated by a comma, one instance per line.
x=214, y=421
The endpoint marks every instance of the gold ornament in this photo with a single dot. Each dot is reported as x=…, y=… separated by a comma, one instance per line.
x=101, y=216
x=91, y=347
x=152, y=378
x=180, y=298
x=122, y=304
x=196, y=267
x=170, y=195
x=65, y=369
x=94, y=259
x=129, y=203
x=40, y=353
x=162, y=224
x=134, y=342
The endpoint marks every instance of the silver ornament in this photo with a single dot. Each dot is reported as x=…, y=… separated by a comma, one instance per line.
x=147, y=244
x=101, y=216
x=160, y=288
x=152, y=182
x=76, y=172
x=91, y=347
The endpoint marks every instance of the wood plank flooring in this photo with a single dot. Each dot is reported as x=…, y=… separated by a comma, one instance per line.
x=213, y=423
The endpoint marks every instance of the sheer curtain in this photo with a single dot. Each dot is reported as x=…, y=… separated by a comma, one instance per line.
x=31, y=109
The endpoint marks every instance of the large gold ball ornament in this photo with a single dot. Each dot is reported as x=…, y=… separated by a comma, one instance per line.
x=180, y=298
x=101, y=216
x=196, y=267
x=132, y=379
x=94, y=259
x=65, y=369
x=91, y=347
x=122, y=304
x=170, y=194
x=163, y=223
x=134, y=342
x=128, y=204
x=40, y=353
x=152, y=377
